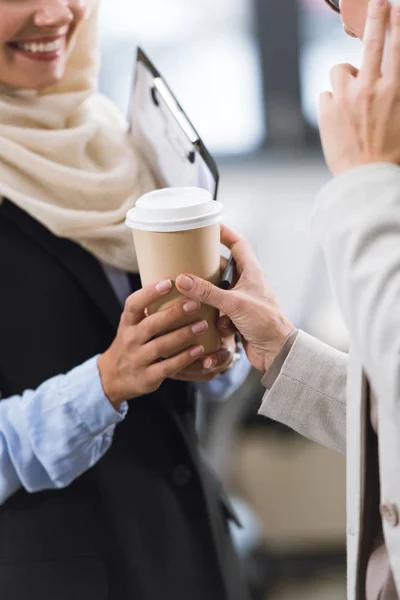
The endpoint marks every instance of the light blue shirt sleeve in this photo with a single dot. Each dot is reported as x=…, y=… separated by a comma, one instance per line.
x=50, y=436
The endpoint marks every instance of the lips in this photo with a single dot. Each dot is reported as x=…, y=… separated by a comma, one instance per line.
x=40, y=49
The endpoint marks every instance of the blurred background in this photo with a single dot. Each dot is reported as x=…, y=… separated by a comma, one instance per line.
x=248, y=74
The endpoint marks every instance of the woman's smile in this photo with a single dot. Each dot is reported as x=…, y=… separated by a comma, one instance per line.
x=41, y=48
x=35, y=37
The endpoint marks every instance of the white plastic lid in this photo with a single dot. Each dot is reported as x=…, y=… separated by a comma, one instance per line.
x=174, y=209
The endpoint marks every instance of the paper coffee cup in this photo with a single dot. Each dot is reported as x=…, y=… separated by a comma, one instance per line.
x=177, y=230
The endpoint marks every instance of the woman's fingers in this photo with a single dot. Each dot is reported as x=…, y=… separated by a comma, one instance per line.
x=206, y=377
x=171, y=366
x=207, y=369
x=340, y=75
x=229, y=237
x=167, y=319
x=136, y=304
x=392, y=67
x=219, y=361
x=240, y=248
x=225, y=326
x=173, y=343
x=374, y=41
x=204, y=292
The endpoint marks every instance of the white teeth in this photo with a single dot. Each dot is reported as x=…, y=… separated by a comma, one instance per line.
x=34, y=48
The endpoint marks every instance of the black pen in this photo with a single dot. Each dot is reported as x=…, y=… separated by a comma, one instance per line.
x=228, y=274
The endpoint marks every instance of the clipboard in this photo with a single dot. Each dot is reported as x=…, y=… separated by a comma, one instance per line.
x=164, y=135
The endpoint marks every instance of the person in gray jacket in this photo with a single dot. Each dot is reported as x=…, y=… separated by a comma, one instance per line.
x=310, y=386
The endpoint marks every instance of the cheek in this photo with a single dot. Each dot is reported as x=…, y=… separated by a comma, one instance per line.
x=80, y=8
x=10, y=23
x=354, y=15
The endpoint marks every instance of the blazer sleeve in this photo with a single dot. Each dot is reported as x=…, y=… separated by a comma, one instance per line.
x=309, y=394
x=357, y=221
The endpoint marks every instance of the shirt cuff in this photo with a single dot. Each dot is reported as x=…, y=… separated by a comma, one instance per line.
x=82, y=388
x=275, y=369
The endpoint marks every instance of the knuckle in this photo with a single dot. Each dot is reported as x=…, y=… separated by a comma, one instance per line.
x=373, y=44
x=148, y=384
x=128, y=337
x=206, y=290
x=236, y=303
x=248, y=248
x=365, y=93
x=129, y=304
x=148, y=328
x=375, y=12
x=185, y=334
x=335, y=70
x=390, y=87
x=181, y=362
x=170, y=314
x=176, y=339
x=164, y=371
x=157, y=348
x=342, y=102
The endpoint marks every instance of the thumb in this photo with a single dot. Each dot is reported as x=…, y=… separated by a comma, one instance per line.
x=201, y=290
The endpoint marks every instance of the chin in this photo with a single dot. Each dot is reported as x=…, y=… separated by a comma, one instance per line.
x=37, y=76
x=45, y=83
x=28, y=82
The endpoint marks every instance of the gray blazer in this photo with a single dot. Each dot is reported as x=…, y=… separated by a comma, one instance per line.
x=357, y=221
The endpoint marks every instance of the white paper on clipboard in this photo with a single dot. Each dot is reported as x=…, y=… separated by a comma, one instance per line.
x=164, y=135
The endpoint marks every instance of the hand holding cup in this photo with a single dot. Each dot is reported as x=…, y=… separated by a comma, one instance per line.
x=132, y=365
x=250, y=305
x=176, y=230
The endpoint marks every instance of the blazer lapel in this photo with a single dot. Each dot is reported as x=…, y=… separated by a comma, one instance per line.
x=85, y=269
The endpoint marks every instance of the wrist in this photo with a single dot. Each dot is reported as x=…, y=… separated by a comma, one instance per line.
x=108, y=381
x=285, y=334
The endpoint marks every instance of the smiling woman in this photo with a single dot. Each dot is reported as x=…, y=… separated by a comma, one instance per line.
x=98, y=502
x=35, y=38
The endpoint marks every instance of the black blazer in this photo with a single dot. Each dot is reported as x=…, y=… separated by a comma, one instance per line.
x=149, y=521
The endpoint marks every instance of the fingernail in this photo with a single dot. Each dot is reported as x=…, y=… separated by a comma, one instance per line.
x=197, y=351
x=209, y=363
x=185, y=282
x=164, y=286
x=200, y=327
x=191, y=306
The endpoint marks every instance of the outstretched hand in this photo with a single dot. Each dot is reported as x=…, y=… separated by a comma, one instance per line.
x=250, y=305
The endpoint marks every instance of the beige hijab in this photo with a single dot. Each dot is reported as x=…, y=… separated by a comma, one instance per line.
x=66, y=157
